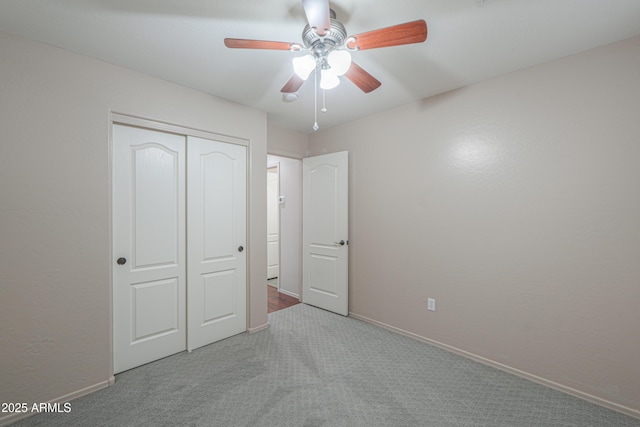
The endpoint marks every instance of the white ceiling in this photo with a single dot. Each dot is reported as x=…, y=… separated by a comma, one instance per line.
x=182, y=41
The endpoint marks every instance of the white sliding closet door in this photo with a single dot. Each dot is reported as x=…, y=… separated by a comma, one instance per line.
x=217, y=238
x=149, y=264
x=179, y=237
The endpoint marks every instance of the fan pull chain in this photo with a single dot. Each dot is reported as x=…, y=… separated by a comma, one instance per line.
x=324, y=108
x=315, y=100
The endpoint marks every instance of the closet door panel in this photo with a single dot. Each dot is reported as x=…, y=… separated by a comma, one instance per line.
x=217, y=240
x=149, y=261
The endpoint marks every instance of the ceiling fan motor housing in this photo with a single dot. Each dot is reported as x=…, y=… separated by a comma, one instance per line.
x=333, y=37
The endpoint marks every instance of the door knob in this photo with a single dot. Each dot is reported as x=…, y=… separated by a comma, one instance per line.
x=121, y=261
x=340, y=243
x=240, y=248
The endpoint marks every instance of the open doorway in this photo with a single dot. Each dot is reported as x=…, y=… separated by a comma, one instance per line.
x=273, y=224
x=284, y=231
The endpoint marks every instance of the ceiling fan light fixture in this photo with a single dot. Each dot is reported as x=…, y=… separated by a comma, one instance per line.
x=328, y=79
x=304, y=65
x=327, y=48
x=339, y=61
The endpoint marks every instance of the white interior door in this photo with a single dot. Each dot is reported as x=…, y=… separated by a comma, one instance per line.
x=325, y=236
x=148, y=246
x=273, y=222
x=217, y=222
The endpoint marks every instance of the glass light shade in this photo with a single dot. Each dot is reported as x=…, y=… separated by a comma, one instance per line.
x=328, y=79
x=304, y=65
x=340, y=61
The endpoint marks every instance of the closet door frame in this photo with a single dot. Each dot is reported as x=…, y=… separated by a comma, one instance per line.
x=156, y=125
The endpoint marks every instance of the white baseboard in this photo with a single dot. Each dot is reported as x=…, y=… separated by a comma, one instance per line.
x=12, y=418
x=258, y=328
x=291, y=294
x=551, y=384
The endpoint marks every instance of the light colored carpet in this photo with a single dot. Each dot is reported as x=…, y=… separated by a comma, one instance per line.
x=314, y=368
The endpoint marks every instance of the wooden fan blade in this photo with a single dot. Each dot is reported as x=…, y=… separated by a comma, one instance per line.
x=256, y=44
x=362, y=79
x=407, y=33
x=318, y=14
x=292, y=85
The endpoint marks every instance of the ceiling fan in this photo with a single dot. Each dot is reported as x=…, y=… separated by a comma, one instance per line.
x=327, y=48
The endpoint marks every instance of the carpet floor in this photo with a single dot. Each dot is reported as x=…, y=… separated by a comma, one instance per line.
x=314, y=368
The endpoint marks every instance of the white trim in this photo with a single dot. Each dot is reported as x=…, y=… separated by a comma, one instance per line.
x=291, y=294
x=285, y=153
x=258, y=328
x=548, y=383
x=110, y=234
x=12, y=418
x=159, y=125
x=275, y=165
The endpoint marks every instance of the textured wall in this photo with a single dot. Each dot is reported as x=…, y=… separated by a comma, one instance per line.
x=515, y=204
x=55, y=255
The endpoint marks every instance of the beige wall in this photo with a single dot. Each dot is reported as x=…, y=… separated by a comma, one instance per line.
x=286, y=142
x=515, y=204
x=55, y=259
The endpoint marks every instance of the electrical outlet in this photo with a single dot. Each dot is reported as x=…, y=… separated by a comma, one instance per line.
x=431, y=304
